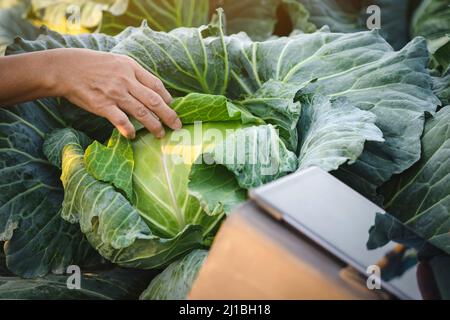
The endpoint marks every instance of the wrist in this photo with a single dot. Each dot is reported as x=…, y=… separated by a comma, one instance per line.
x=52, y=62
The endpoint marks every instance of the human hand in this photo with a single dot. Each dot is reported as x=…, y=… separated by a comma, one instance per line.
x=111, y=86
x=427, y=282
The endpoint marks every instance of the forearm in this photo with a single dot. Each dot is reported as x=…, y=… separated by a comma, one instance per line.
x=109, y=85
x=27, y=76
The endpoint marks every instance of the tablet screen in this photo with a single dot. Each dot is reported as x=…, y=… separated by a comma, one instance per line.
x=341, y=221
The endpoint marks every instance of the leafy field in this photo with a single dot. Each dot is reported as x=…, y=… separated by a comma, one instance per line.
x=288, y=83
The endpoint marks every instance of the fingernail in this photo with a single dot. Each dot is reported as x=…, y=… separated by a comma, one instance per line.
x=161, y=133
x=127, y=135
x=177, y=125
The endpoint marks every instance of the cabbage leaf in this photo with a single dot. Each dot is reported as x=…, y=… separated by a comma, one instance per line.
x=161, y=15
x=38, y=241
x=420, y=197
x=13, y=24
x=175, y=282
x=351, y=16
x=94, y=285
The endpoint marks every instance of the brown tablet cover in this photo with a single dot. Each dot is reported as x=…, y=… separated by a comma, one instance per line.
x=254, y=256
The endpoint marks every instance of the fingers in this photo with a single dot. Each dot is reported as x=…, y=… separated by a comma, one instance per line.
x=426, y=281
x=145, y=116
x=152, y=82
x=133, y=91
x=120, y=120
x=156, y=104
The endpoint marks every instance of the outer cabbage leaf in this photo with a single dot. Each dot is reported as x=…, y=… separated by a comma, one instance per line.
x=175, y=282
x=51, y=40
x=441, y=87
x=333, y=133
x=101, y=285
x=76, y=180
x=275, y=103
x=185, y=59
x=442, y=55
x=226, y=193
x=432, y=21
x=13, y=24
x=37, y=239
x=420, y=197
x=299, y=16
x=255, y=17
x=361, y=67
x=387, y=228
x=161, y=15
x=112, y=163
x=340, y=16
x=351, y=16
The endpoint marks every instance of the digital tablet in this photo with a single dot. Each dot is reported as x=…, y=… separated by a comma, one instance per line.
x=339, y=219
